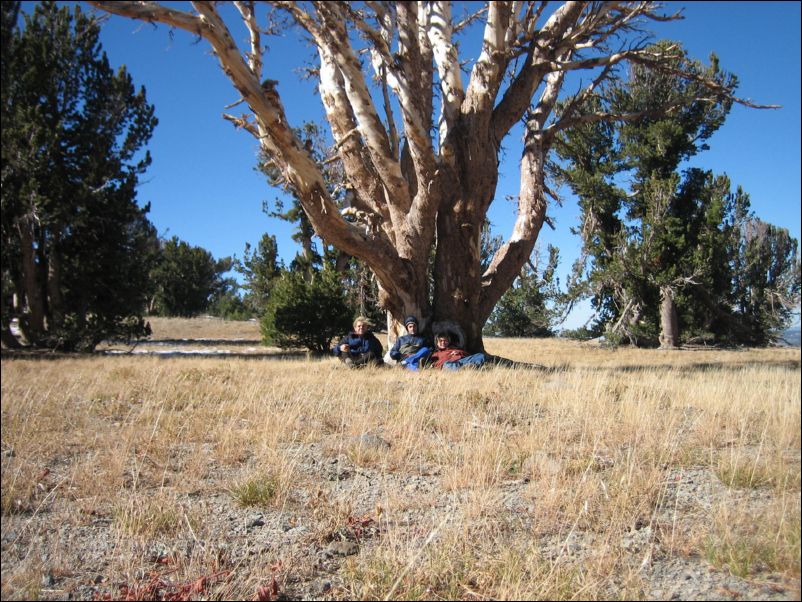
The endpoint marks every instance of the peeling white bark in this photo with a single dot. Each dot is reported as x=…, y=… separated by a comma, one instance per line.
x=448, y=69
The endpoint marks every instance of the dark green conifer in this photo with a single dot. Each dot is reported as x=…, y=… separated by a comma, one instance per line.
x=76, y=246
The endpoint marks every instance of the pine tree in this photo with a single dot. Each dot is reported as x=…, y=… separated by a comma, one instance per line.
x=636, y=242
x=186, y=279
x=767, y=291
x=76, y=247
x=259, y=268
x=418, y=138
x=666, y=257
x=306, y=313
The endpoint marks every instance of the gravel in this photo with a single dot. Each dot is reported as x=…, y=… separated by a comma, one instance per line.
x=307, y=547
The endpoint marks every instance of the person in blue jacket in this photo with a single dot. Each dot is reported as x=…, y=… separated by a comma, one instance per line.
x=411, y=349
x=360, y=347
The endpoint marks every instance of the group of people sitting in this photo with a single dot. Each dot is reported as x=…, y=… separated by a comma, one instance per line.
x=413, y=351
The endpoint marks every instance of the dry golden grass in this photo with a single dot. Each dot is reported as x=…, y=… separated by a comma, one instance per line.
x=204, y=328
x=502, y=483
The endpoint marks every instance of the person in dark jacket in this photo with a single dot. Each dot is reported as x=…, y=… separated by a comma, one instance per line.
x=412, y=349
x=360, y=347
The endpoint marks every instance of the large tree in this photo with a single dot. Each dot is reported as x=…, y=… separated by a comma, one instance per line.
x=76, y=246
x=421, y=148
x=663, y=251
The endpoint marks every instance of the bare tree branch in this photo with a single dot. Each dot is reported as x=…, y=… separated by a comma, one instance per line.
x=445, y=55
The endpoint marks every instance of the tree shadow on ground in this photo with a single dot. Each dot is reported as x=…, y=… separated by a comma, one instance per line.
x=232, y=342
x=697, y=366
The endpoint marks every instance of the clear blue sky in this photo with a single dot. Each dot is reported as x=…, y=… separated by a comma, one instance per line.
x=203, y=188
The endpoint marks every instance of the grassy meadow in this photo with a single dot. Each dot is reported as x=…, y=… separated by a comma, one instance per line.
x=246, y=476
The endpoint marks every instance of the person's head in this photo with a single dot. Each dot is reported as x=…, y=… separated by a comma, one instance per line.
x=411, y=324
x=443, y=341
x=361, y=325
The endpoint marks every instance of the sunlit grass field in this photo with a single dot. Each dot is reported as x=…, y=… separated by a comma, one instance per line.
x=502, y=483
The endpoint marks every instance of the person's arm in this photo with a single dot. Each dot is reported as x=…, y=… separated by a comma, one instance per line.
x=395, y=352
x=338, y=348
